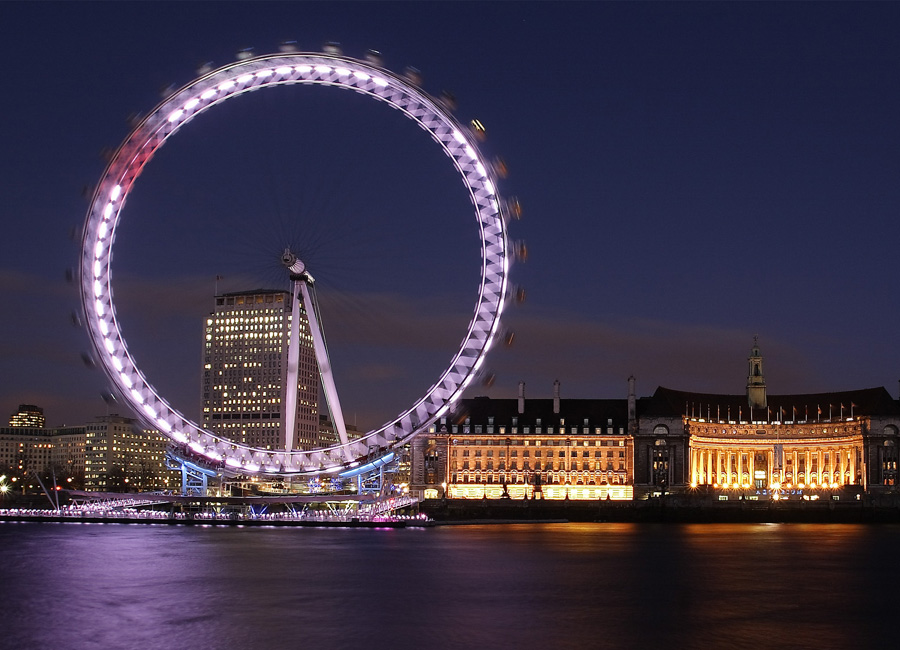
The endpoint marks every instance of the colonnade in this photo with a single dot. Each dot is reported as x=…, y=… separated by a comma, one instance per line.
x=737, y=466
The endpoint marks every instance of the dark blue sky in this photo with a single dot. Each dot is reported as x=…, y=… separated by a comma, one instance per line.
x=691, y=174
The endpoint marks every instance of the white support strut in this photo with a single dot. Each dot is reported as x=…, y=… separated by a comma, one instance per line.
x=292, y=381
x=331, y=396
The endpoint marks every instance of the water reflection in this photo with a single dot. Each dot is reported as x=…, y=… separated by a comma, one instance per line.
x=567, y=585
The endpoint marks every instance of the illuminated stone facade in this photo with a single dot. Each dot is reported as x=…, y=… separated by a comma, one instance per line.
x=538, y=448
x=245, y=369
x=752, y=445
x=805, y=442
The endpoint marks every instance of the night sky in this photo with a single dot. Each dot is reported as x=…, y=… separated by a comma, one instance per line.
x=691, y=175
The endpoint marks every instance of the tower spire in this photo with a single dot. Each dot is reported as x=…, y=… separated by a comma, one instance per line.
x=756, y=381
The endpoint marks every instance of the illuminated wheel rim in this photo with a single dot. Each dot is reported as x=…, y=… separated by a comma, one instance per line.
x=192, y=100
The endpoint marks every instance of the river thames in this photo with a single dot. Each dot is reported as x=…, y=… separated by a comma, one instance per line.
x=503, y=586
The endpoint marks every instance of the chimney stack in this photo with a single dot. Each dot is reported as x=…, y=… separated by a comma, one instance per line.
x=521, y=397
x=632, y=407
x=556, y=396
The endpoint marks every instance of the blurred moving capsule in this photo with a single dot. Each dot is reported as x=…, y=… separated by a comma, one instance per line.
x=520, y=250
x=500, y=168
x=520, y=295
x=489, y=379
x=374, y=57
x=88, y=360
x=204, y=68
x=333, y=47
x=288, y=46
x=244, y=54
x=413, y=75
x=509, y=337
x=513, y=207
x=448, y=100
x=76, y=319
x=478, y=130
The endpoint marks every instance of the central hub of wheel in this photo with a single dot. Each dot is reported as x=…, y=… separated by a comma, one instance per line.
x=292, y=263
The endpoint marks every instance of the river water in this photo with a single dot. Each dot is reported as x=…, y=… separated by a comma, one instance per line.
x=499, y=586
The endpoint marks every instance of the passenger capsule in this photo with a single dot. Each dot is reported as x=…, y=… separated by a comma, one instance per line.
x=513, y=207
x=500, y=168
x=478, y=130
x=413, y=75
x=448, y=100
x=520, y=250
x=374, y=57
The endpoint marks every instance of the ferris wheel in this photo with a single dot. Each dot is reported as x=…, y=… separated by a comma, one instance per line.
x=330, y=68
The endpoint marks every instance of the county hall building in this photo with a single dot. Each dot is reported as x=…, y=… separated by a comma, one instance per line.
x=751, y=445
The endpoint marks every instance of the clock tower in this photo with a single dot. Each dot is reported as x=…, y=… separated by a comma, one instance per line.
x=756, y=381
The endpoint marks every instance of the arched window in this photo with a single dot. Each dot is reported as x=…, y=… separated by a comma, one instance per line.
x=889, y=460
x=660, y=430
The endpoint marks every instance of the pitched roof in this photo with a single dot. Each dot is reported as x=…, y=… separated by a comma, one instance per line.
x=667, y=402
x=597, y=411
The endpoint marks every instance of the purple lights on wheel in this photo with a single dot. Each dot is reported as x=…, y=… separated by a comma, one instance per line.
x=231, y=81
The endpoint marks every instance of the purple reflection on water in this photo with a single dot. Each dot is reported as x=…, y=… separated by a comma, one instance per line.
x=565, y=585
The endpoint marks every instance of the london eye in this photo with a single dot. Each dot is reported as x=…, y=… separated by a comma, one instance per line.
x=479, y=177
